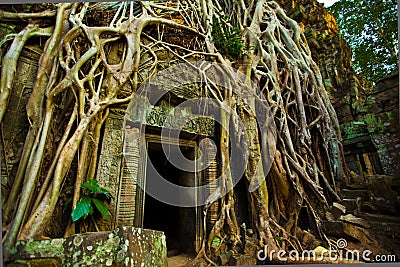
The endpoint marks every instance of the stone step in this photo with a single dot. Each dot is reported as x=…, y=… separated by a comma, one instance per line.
x=356, y=187
x=346, y=230
x=350, y=218
x=383, y=228
x=380, y=218
x=355, y=193
x=350, y=204
x=380, y=208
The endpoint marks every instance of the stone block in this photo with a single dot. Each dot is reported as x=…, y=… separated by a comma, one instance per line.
x=380, y=208
x=337, y=210
x=350, y=218
x=329, y=217
x=354, y=193
x=251, y=247
x=48, y=262
x=379, y=186
x=125, y=246
x=308, y=238
x=350, y=204
x=243, y=260
x=348, y=231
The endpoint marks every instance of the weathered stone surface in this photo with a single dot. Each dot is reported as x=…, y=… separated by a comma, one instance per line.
x=109, y=166
x=251, y=246
x=380, y=190
x=242, y=260
x=170, y=117
x=374, y=132
x=48, y=262
x=14, y=126
x=329, y=217
x=225, y=257
x=350, y=218
x=383, y=117
x=309, y=240
x=389, y=229
x=378, y=217
x=350, y=204
x=380, y=208
x=355, y=193
x=127, y=187
x=356, y=181
x=348, y=231
x=125, y=246
x=337, y=210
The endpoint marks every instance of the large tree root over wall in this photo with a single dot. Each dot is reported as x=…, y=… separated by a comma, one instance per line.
x=95, y=57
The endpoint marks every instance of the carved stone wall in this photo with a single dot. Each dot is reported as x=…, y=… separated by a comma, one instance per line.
x=176, y=118
x=373, y=137
x=15, y=122
x=109, y=166
x=120, y=166
x=382, y=120
x=129, y=177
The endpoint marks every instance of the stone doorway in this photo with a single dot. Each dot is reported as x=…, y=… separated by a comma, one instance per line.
x=180, y=224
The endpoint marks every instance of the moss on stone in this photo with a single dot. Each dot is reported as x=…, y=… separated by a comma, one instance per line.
x=127, y=246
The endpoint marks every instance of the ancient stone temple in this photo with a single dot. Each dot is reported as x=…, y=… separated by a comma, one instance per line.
x=141, y=143
x=372, y=138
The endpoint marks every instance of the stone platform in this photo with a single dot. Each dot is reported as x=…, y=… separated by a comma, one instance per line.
x=125, y=246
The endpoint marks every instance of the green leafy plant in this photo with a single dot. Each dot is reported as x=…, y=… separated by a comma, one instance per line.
x=93, y=197
x=227, y=39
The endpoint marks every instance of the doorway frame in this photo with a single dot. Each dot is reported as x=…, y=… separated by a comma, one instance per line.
x=140, y=198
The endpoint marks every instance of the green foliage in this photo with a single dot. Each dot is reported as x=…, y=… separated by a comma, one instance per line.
x=82, y=208
x=370, y=28
x=92, y=196
x=278, y=240
x=5, y=29
x=227, y=38
x=216, y=242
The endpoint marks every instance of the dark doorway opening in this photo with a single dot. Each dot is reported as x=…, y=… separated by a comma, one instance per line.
x=177, y=223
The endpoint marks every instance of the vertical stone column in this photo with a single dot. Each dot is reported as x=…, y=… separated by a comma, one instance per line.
x=128, y=178
x=210, y=175
x=109, y=166
x=118, y=170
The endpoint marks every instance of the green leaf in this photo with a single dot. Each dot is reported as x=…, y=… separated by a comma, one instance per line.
x=101, y=207
x=370, y=30
x=106, y=192
x=278, y=239
x=82, y=208
x=91, y=185
x=216, y=242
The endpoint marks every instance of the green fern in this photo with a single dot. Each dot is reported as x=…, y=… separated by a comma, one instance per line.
x=228, y=40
